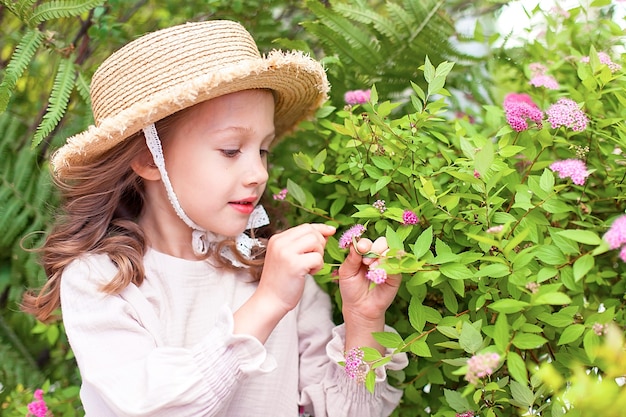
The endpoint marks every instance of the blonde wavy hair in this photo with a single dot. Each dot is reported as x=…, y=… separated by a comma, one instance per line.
x=100, y=205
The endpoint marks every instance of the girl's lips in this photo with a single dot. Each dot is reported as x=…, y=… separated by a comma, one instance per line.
x=244, y=207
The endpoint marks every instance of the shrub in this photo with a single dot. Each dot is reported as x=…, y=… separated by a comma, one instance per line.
x=508, y=286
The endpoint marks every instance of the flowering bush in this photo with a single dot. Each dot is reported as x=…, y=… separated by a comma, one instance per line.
x=47, y=401
x=495, y=219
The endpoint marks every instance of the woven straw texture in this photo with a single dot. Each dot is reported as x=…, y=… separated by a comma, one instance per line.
x=166, y=71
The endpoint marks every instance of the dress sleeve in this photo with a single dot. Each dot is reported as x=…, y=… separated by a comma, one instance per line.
x=326, y=390
x=128, y=368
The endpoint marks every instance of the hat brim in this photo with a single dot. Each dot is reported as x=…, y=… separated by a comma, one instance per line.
x=298, y=82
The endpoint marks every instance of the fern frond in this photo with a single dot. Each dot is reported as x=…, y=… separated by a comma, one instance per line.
x=17, y=211
x=369, y=17
x=403, y=19
x=20, y=59
x=82, y=86
x=10, y=6
x=25, y=9
x=10, y=134
x=354, y=42
x=417, y=8
x=62, y=8
x=59, y=97
x=16, y=363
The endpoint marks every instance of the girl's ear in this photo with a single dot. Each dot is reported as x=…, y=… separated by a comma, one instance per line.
x=144, y=166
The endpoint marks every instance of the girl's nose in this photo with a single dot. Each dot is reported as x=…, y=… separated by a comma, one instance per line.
x=257, y=171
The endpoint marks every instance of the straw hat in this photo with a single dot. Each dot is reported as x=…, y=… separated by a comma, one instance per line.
x=171, y=69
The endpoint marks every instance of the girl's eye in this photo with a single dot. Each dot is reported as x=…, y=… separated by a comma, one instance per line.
x=230, y=153
x=264, y=153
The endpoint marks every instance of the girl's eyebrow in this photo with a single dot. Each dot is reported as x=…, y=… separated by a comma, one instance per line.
x=246, y=131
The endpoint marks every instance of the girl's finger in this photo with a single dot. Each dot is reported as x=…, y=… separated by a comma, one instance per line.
x=380, y=245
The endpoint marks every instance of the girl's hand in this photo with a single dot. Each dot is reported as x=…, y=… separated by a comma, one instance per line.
x=291, y=255
x=364, y=307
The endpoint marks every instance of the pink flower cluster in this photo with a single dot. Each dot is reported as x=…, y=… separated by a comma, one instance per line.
x=599, y=328
x=559, y=11
x=408, y=217
x=37, y=408
x=465, y=414
x=480, y=366
x=495, y=229
x=606, y=60
x=566, y=113
x=281, y=195
x=357, y=96
x=376, y=275
x=540, y=78
x=355, y=367
x=544, y=80
x=616, y=236
x=380, y=206
x=354, y=232
x=571, y=168
x=518, y=108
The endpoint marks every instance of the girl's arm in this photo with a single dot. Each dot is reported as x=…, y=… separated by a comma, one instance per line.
x=291, y=256
x=326, y=390
x=363, y=307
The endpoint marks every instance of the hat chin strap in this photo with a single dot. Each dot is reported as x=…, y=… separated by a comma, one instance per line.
x=200, y=237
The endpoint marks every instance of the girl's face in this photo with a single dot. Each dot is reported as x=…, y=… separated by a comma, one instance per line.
x=216, y=158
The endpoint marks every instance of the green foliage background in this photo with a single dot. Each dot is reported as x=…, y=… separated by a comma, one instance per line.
x=434, y=120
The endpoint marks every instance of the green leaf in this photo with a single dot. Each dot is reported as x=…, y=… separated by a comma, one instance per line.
x=417, y=316
x=370, y=381
x=456, y=271
x=522, y=394
x=555, y=205
x=421, y=348
x=557, y=319
x=546, y=273
x=591, y=342
x=380, y=184
x=517, y=367
x=508, y=306
x=550, y=255
x=319, y=159
x=571, y=334
x=546, y=182
x=528, y=341
x=484, y=158
x=383, y=163
x=394, y=240
x=470, y=340
x=552, y=298
x=449, y=299
x=370, y=354
x=303, y=161
x=501, y=333
x=512, y=244
x=493, y=270
x=456, y=401
x=423, y=242
x=448, y=331
x=429, y=70
x=583, y=265
x=388, y=339
x=582, y=236
x=296, y=192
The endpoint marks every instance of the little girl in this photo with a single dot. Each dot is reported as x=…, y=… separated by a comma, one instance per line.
x=170, y=308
